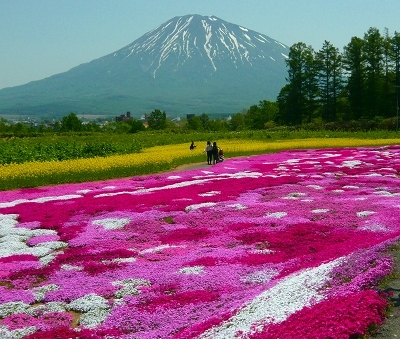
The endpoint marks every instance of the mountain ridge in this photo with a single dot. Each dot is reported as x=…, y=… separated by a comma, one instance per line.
x=188, y=64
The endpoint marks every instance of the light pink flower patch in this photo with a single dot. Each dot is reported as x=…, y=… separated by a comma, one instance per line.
x=287, y=245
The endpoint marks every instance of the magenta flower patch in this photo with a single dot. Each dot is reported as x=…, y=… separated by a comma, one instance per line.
x=288, y=245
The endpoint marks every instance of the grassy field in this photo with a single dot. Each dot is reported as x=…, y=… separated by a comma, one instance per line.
x=56, y=159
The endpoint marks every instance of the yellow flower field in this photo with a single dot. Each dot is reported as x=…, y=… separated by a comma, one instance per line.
x=154, y=159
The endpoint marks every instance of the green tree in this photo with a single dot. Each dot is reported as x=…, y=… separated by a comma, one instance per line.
x=4, y=126
x=157, y=120
x=373, y=51
x=388, y=88
x=329, y=72
x=136, y=126
x=71, y=123
x=300, y=94
x=237, y=122
x=205, y=121
x=268, y=112
x=194, y=123
x=354, y=65
x=251, y=117
x=396, y=59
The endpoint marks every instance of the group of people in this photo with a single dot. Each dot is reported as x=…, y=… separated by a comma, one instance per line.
x=214, y=153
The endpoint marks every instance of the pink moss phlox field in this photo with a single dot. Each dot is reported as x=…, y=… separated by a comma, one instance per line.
x=285, y=245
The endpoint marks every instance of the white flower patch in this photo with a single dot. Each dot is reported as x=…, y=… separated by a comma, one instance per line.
x=281, y=168
x=10, y=248
x=276, y=215
x=330, y=155
x=39, y=231
x=16, y=334
x=160, y=248
x=209, y=194
x=49, y=258
x=83, y=191
x=88, y=302
x=7, y=223
x=40, y=292
x=119, y=260
x=40, y=200
x=67, y=267
x=261, y=277
x=238, y=206
x=275, y=305
x=363, y=214
x=13, y=307
x=338, y=191
x=112, y=223
x=94, y=317
x=172, y=177
x=360, y=198
x=192, y=270
x=292, y=161
x=350, y=163
x=197, y=206
x=307, y=200
x=109, y=187
x=386, y=194
x=37, y=251
x=264, y=251
x=351, y=187
x=49, y=307
x=294, y=195
x=374, y=228
x=59, y=198
x=52, y=245
x=316, y=187
x=13, y=240
x=320, y=210
x=95, y=309
x=129, y=286
x=373, y=175
x=387, y=169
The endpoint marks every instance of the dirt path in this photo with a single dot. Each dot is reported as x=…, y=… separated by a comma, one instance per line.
x=391, y=327
x=187, y=167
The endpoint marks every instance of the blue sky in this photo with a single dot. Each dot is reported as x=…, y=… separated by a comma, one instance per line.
x=39, y=38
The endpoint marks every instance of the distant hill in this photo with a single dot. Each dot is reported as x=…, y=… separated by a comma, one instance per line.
x=190, y=64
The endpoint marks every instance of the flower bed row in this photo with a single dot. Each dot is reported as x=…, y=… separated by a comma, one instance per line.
x=271, y=246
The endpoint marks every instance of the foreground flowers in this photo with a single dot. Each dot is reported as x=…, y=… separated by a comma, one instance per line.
x=271, y=246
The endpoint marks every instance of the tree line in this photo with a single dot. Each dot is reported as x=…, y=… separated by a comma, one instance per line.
x=362, y=82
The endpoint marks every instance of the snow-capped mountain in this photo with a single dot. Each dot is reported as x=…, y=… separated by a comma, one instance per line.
x=191, y=40
x=189, y=64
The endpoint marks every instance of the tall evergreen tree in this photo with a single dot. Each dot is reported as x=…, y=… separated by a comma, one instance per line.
x=388, y=76
x=396, y=57
x=329, y=71
x=301, y=77
x=354, y=65
x=373, y=52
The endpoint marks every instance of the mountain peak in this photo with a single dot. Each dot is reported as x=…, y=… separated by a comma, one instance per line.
x=188, y=64
x=189, y=38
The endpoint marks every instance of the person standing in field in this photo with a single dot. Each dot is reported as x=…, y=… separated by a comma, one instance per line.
x=192, y=146
x=209, y=153
x=215, y=152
